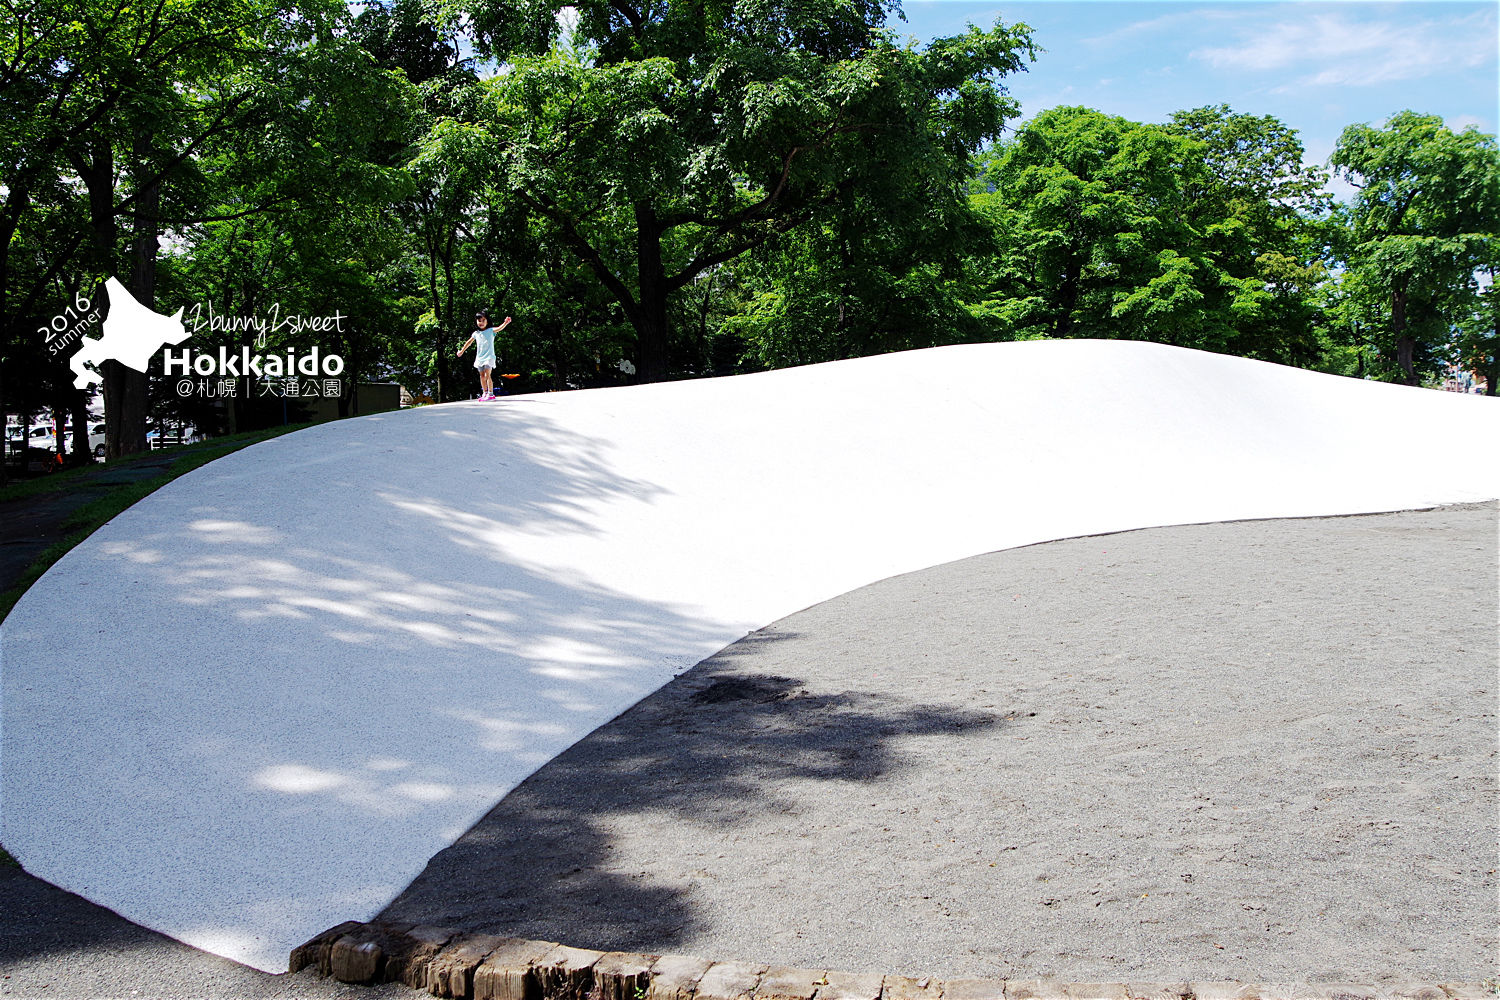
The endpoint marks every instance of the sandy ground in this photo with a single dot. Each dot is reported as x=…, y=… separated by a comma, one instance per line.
x=1261, y=750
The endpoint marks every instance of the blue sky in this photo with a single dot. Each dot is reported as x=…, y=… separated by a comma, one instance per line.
x=1316, y=66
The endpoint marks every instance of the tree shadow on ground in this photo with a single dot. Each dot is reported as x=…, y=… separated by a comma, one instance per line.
x=318, y=648
x=692, y=760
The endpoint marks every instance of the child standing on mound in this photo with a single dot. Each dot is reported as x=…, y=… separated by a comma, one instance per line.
x=484, y=357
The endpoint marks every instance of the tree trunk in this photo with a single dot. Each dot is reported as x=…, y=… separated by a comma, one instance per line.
x=124, y=389
x=124, y=416
x=77, y=403
x=1406, y=346
x=705, y=355
x=133, y=385
x=447, y=383
x=1406, y=349
x=651, y=331
x=348, y=402
x=443, y=314
x=10, y=220
x=98, y=176
x=651, y=322
x=1067, y=300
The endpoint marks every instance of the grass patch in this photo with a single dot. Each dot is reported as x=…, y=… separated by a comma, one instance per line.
x=86, y=519
x=61, y=482
x=54, y=482
x=31, y=574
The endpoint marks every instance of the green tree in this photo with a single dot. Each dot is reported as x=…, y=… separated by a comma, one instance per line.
x=1477, y=345
x=453, y=167
x=864, y=280
x=676, y=138
x=1427, y=205
x=1200, y=233
x=1092, y=215
x=162, y=117
x=1262, y=215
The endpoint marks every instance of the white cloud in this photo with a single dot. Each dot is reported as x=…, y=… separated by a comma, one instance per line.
x=1324, y=36
x=1336, y=48
x=1161, y=25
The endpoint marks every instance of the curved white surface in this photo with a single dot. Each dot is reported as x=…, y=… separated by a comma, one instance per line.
x=257, y=702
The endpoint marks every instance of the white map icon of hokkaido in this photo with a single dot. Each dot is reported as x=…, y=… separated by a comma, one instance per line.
x=132, y=333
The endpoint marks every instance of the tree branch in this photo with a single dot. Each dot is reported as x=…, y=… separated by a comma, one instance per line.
x=632, y=17
x=704, y=261
x=201, y=219
x=219, y=125
x=727, y=223
x=545, y=205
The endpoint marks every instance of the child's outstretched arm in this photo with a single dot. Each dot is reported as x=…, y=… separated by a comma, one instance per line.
x=464, y=348
x=502, y=326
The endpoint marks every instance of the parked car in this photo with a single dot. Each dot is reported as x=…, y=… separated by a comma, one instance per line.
x=40, y=436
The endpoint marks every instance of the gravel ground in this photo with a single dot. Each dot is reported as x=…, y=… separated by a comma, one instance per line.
x=1258, y=751
x=1262, y=751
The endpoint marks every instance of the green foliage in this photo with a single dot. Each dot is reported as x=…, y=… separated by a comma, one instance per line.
x=1476, y=346
x=1423, y=221
x=326, y=241
x=681, y=138
x=693, y=189
x=1192, y=233
x=186, y=125
x=864, y=281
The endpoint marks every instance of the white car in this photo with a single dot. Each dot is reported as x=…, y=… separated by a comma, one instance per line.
x=40, y=436
x=28, y=441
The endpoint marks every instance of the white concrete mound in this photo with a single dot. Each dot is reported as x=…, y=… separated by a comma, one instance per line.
x=258, y=701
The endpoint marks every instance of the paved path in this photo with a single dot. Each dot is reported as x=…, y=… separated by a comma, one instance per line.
x=1094, y=758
